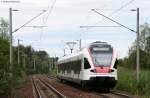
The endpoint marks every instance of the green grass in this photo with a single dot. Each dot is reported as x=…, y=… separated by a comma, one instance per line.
x=127, y=82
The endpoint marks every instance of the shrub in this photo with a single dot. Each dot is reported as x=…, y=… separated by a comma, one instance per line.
x=127, y=82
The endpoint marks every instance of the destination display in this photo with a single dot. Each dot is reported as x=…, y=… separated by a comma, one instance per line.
x=101, y=49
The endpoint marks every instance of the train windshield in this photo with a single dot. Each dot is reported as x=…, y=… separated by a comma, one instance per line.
x=102, y=56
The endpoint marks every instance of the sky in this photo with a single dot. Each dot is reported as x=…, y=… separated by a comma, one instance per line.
x=63, y=18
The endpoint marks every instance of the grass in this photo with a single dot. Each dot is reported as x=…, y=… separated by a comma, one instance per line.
x=127, y=82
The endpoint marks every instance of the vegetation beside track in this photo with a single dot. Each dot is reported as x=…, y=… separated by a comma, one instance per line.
x=127, y=72
x=31, y=62
x=127, y=82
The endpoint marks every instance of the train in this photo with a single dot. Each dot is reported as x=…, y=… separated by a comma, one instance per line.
x=94, y=66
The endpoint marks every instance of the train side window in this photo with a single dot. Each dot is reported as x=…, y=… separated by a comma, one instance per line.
x=86, y=64
x=78, y=67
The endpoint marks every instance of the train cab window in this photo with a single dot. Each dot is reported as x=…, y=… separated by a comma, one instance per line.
x=86, y=64
x=116, y=64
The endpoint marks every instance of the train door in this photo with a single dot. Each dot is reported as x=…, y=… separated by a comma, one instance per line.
x=85, y=68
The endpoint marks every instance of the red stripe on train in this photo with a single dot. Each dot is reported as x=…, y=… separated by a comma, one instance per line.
x=103, y=69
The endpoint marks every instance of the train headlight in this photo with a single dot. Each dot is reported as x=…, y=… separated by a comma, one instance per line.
x=93, y=70
x=111, y=70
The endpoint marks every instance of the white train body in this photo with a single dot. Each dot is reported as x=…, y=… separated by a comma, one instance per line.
x=95, y=65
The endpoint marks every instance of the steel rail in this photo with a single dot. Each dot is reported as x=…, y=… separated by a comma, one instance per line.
x=122, y=94
x=53, y=89
x=36, y=91
x=51, y=77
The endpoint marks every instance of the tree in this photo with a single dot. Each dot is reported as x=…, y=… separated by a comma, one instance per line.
x=29, y=60
x=145, y=45
x=144, y=49
x=4, y=66
x=144, y=35
x=4, y=27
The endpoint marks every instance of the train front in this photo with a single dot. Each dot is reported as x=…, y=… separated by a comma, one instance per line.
x=104, y=63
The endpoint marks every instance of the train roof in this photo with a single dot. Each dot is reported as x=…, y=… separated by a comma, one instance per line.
x=78, y=54
x=99, y=43
x=73, y=56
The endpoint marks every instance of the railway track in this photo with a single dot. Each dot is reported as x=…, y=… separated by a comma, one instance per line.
x=36, y=91
x=51, y=84
x=122, y=94
x=111, y=94
x=42, y=89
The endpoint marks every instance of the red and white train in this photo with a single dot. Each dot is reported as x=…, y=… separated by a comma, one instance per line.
x=95, y=65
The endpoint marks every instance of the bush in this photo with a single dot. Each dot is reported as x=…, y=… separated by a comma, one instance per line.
x=127, y=82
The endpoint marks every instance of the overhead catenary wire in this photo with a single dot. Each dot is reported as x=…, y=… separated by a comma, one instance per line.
x=44, y=21
x=42, y=30
x=123, y=6
x=117, y=10
x=50, y=10
x=29, y=21
x=98, y=26
x=113, y=20
x=114, y=12
x=106, y=4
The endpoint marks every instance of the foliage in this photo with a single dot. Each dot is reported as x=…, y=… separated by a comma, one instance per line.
x=144, y=35
x=130, y=61
x=4, y=66
x=4, y=29
x=127, y=75
x=127, y=82
x=31, y=62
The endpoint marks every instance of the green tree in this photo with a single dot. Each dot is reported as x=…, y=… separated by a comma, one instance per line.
x=145, y=45
x=4, y=27
x=144, y=49
x=31, y=61
x=4, y=67
x=9, y=78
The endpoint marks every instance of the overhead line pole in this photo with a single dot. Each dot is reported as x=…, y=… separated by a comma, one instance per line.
x=34, y=62
x=138, y=43
x=10, y=31
x=18, y=52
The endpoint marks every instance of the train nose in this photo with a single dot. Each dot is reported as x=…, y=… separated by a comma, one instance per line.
x=103, y=70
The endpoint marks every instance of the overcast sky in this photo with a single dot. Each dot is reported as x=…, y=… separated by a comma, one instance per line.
x=64, y=18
